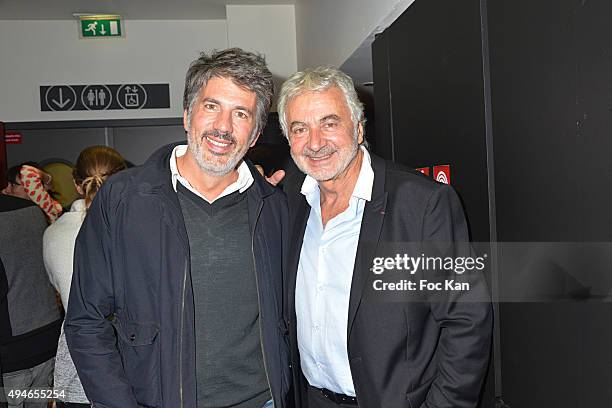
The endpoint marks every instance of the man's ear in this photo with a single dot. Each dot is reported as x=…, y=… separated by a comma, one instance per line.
x=185, y=123
x=360, y=133
x=255, y=140
x=7, y=190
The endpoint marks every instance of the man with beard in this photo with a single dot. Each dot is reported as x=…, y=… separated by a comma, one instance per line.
x=176, y=297
x=428, y=351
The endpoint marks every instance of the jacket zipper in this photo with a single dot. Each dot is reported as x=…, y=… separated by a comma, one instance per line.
x=187, y=263
x=181, y=335
x=263, y=353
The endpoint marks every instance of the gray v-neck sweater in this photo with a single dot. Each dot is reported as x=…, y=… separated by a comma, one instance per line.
x=230, y=370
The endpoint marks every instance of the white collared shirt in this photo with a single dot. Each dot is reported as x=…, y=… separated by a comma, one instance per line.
x=245, y=178
x=323, y=285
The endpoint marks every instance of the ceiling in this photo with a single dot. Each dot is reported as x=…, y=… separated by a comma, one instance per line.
x=129, y=9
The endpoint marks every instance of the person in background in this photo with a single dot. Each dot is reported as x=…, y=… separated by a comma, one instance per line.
x=30, y=318
x=29, y=182
x=13, y=186
x=93, y=166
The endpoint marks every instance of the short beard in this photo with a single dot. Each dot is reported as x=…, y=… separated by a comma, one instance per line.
x=343, y=162
x=209, y=166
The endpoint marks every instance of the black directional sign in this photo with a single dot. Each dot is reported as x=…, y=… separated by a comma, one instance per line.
x=131, y=96
x=59, y=97
x=96, y=97
x=104, y=97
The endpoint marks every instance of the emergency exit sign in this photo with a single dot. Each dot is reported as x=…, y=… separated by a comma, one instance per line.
x=100, y=26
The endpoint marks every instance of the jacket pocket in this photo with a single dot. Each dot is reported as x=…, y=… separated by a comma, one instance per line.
x=417, y=396
x=138, y=346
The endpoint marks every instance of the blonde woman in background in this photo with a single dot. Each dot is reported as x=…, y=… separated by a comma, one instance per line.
x=94, y=165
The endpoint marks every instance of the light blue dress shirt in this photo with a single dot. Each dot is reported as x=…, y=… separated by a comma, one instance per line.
x=323, y=285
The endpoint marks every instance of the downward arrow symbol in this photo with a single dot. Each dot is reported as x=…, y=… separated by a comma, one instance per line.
x=62, y=102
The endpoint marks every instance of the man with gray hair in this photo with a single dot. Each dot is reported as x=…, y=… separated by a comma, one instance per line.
x=176, y=297
x=431, y=350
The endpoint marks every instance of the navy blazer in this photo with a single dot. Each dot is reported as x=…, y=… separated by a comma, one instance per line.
x=433, y=352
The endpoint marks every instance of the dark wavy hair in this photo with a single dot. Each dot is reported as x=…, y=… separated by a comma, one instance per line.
x=246, y=69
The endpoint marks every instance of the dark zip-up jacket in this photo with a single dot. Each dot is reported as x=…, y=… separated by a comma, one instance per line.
x=130, y=324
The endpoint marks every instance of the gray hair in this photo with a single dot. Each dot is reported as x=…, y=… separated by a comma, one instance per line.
x=320, y=79
x=245, y=69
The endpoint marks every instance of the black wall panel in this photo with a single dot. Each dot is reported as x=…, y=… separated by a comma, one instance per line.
x=533, y=86
x=594, y=116
x=382, y=140
x=429, y=95
x=547, y=176
x=435, y=109
x=594, y=127
x=551, y=116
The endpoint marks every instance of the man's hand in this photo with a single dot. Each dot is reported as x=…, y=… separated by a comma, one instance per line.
x=275, y=178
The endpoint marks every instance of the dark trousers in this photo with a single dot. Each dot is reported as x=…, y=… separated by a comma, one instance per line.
x=316, y=400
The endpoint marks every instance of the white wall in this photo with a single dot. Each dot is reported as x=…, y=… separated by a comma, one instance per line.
x=269, y=30
x=329, y=31
x=37, y=52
